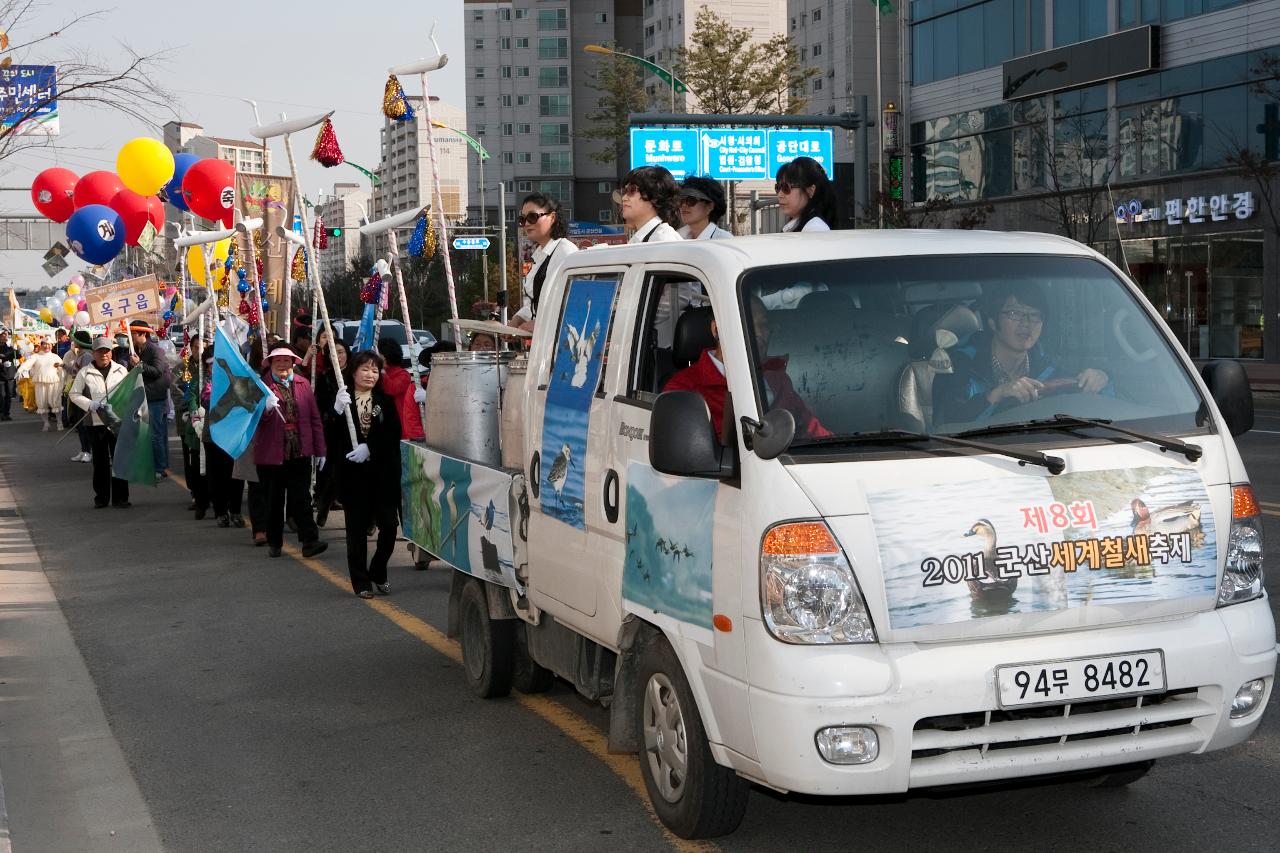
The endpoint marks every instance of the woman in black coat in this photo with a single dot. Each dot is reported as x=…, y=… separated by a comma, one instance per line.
x=369, y=473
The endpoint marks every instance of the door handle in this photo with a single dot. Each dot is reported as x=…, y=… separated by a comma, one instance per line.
x=611, y=497
x=535, y=474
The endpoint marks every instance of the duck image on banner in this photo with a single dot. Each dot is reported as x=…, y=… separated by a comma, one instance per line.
x=1041, y=544
x=575, y=374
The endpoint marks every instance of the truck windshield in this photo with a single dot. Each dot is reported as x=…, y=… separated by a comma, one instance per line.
x=951, y=344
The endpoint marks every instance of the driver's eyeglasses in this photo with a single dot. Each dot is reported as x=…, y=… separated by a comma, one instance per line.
x=782, y=188
x=1031, y=318
x=689, y=201
x=530, y=217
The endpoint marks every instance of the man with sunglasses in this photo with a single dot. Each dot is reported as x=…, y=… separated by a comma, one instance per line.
x=1005, y=365
x=546, y=229
x=648, y=203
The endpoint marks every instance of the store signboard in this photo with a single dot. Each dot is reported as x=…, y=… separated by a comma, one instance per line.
x=1195, y=210
x=729, y=153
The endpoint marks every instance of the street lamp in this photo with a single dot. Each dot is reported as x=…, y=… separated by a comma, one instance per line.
x=664, y=74
x=482, y=154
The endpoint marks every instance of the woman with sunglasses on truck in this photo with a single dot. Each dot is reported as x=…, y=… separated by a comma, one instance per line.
x=545, y=227
x=805, y=196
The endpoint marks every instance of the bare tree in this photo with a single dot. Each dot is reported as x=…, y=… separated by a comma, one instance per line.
x=125, y=86
x=1078, y=161
x=934, y=213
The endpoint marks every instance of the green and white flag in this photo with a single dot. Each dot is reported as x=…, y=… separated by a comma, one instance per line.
x=134, y=460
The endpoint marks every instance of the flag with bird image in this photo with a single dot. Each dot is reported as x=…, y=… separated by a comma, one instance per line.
x=237, y=398
x=129, y=417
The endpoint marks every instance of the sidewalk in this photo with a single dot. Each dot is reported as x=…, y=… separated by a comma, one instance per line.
x=64, y=782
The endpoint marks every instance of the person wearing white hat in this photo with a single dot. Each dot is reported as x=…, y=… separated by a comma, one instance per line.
x=290, y=434
x=45, y=369
x=89, y=391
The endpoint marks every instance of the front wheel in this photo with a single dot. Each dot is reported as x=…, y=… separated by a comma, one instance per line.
x=488, y=645
x=693, y=795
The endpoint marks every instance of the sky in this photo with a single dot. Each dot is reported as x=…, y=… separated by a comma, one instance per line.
x=297, y=57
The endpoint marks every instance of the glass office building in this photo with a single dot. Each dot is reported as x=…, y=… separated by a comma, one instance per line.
x=1023, y=106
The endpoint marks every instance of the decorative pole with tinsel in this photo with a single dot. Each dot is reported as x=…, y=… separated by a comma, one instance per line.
x=327, y=152
x=395, y=105
x=423, y=67
x=286, y=128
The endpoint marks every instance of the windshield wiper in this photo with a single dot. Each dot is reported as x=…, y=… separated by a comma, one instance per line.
x=1166, y=443
x=902, y=436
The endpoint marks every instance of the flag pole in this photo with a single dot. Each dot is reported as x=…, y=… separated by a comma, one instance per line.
x=286, y=129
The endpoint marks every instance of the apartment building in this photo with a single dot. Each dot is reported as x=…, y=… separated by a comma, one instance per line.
x=345, y=208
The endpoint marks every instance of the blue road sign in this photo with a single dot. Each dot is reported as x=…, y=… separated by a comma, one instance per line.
x=28, y=99
x=787, y=145
x=470, y=243
x=735, y=154
x=674, y=148
x=730, y=153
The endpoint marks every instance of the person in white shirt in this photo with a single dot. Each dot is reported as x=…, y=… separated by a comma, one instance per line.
x=702, y=206
x=545, y=227
x=805, y=196
x=648, y=201
x=45, y=370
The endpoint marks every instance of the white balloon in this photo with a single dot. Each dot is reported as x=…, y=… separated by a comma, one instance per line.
x=61, y=296
x=82, y=318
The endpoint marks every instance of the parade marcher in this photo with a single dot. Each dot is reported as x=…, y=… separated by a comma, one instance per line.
x=44, y=370
x=648, y=202
x=63, y=344
x=702, y=206
x=89, y=392
x=805, y=196
x=369, y=474
x=482, y=342
x=120, y=352
x=289, y=436
x=157, y=377
x=398, y=384
x=8, y=369
x=80, y=356
x=545, y=227
x=326, y=389
x=225, y=489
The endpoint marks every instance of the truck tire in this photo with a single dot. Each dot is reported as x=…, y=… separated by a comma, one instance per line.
x=528, y=676
x=1122, y=776
x=488, y=645
x=693, y=795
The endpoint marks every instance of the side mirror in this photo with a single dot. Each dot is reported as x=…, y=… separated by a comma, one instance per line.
x=681, y=440
x=1229, y=386
x=770, y=437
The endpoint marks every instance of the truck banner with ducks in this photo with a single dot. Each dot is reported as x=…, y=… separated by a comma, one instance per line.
x=1044, y=544
x=462, y=513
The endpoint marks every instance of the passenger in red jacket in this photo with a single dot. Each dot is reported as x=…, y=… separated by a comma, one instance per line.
x=398, y=384
x=706, y=376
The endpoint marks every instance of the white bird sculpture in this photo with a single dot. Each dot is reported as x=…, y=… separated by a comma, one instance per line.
x=581, y=347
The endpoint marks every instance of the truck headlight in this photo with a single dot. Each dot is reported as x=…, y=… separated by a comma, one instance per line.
x=1242, y=577
x=807, y=587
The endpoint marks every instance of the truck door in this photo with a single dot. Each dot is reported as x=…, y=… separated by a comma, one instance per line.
x=567, y=441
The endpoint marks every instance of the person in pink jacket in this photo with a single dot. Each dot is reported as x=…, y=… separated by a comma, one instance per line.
x=289, y=436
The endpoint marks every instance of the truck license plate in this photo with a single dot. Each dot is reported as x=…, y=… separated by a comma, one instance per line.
x=1053, y=682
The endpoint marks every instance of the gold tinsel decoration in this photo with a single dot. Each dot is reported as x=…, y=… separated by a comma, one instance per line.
x=429, y=247
x=393, y=104
x=298, y=269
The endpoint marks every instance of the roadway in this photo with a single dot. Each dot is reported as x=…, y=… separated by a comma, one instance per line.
x=259, y=706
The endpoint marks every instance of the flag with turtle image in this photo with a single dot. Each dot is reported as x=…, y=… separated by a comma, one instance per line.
x=128, y=416
x=575, y=373
x=237, y=398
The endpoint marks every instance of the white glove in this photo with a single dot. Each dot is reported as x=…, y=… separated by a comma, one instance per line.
x=273, y=402
x=360, y=454
x=8, y=364
x=319, y=463
x=420, y=395
x=341, y=401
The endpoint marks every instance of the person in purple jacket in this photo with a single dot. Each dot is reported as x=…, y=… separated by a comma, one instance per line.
x=289, y=436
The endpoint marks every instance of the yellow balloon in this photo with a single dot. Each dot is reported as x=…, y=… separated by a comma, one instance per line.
x=195, y=261
x=69, y=307
x=46, y=315
x=144, y=165
x=73, y=290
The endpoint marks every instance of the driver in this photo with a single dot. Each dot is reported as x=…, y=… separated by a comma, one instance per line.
x=1005, y=365
x=707, y=377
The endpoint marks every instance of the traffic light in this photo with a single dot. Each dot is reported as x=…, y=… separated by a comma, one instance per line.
x=334, y=232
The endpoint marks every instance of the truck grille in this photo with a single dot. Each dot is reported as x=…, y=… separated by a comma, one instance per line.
x=965, y=743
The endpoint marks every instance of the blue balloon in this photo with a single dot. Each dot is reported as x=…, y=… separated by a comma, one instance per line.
x=173, y=189
x=95, y=233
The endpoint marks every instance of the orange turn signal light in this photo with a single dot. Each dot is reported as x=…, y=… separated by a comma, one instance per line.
x=722, y=623
x=803, y=537
x=1243, y=503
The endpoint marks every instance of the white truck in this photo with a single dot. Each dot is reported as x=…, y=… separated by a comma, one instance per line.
x=929, y=508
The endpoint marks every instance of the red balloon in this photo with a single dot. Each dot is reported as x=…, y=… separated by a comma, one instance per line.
x=97, y=188
x=133, y=211
x=51, y=193
x=210, y=190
